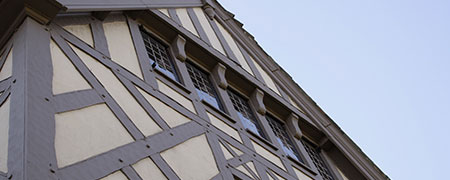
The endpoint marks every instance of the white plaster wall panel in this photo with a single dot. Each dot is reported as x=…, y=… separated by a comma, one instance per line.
x=118, y=175
x=164, y=11
x=237, y=151
x=224, y=127
x=173, y=118
x=342, y=174
x=204, y=22
x=243, y=170
x=268, y=155
x=148, y=170
x=4, y=130
x=267, y=79
x=276, y=175
x=252, y=167
x=121, y=47
x=300, y=175
x=120, y=94
x=185, y=102
x=186, y=20
x=234, y=47
x=82, y=31
x=84, y=133
x=295, y=104
x=66, y=77
x=6, y=69
x=192, y=159
x=226, y=153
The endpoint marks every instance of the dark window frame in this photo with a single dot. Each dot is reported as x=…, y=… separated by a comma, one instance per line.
x=315, y=153
x=168, y=67
x=249, y=116
x=279, y=128
x=204, y=84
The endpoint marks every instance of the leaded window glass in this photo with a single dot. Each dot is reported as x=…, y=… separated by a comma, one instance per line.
x=280, y=131
x=203, y=85
x=158, y=54
x=245, y=113
x=318, y=161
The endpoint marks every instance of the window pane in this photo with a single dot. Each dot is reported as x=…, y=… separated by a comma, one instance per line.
x=203, y=85
x=245, y=113
x=279, y=129
x=317, y=160
x=158, y=54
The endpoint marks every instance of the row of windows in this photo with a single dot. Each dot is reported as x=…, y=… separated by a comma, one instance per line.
x=159, y=57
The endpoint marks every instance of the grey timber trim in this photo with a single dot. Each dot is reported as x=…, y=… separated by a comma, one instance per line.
x=165, y=168
x=141, y=52
x=16, y=139
x=78, y=99
x=173, y=15
x=31, y=135
x=130, y=173
x=98, y=34
x=198, y=26
x=222, y=40
x=247, y=57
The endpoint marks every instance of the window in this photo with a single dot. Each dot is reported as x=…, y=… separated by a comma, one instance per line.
x=245, y=113
x=158, y=54
x=314, y=153
x=280, y=131
x=203, y=85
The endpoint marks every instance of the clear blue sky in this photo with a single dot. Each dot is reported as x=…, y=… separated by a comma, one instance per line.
x=379, y=68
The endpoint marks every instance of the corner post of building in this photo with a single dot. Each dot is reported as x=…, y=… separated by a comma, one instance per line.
x=32, y=106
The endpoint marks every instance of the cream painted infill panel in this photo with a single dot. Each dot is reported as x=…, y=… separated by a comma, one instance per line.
x=243, y=170
x=224, y=127
x=268, y=155
x=276, y=175
x=120, y=94
x=148, y=170
x=4, y=130
x=192, y=159
x=186, y=20
x=6, y=69
x=342, y=174
x=267, y=79
x=295, y=104
x=234, y=47
x=226, y=153
x=252, y=167
x=118, y=175
x=173, y=118
x=164, y=11
x=82, y=31
x=185, y=102
x=121, y=47
x=66, y=77
x=300, y=175
x=84, y=133
x=204, y=22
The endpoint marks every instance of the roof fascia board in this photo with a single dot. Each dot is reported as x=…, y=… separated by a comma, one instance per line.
x=122, y=5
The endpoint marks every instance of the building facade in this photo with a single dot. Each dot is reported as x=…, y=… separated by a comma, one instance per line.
x=155, y=89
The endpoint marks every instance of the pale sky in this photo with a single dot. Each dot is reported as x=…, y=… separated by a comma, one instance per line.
x=379, y=68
